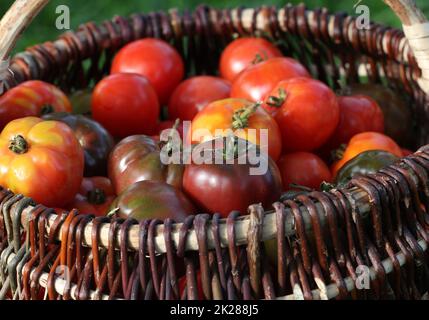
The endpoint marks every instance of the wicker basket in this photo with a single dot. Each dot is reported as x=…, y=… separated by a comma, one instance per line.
x=323, y=238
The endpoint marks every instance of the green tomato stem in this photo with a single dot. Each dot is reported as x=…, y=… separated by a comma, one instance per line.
x=277, y=101
x=240, y=118
x=96, y=196
x=18, y=145
x=46, y=109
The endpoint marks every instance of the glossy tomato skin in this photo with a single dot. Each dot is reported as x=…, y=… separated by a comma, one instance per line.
x=137, y=158
x=218, y=115
x=95, y=140
x=364, y=163
x=398, y=116
x=225, y=187
x=32, y=98
x=47, y=149
x=304, y=169
x=154, y=59
x=193, y=94
x=242, y=52
x=366, y=141
x=358, y=113
x=257, y=81
x=95, y=196
x=308, y=114
x=153, y=200
x=125, y=104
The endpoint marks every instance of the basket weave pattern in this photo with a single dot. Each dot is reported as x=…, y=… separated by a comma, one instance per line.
x=380, y=221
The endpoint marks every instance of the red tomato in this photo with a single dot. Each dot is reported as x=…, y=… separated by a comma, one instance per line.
x=257, y=81
x=306, y=111
x=242, y=52
x=138, y=158
x=42, y=160
x=304, y=169
x=364, y=142
x=32, y=98
x=192, y=95
x=95, y=196
x=125, y=104
x=406, y=152
x=358, y=114
x=155, y=59
x=240, y=117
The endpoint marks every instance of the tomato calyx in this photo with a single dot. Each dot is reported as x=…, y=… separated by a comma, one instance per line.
x=277, y=101
x=46, y=109
x=259, y=58
x=326, y=186
x=240, y=118
x=18, y=145
x=170, y=142
x=338, y=154
x=230, y=151
x=96, y=196
x=228, y=148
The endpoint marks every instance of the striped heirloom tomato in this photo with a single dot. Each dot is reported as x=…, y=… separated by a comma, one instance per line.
x=42, y=160
x=232, y=183
x=245, y=119
x=138, y=158
x=153, y=200
x=95, y=140
x=32, y=98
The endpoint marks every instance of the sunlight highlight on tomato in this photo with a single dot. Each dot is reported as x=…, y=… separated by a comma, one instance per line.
x=42, y=160
x=32, y=98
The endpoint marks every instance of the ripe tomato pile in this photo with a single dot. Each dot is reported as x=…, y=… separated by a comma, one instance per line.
x=101, y=150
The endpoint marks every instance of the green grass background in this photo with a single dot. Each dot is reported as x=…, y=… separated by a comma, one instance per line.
x=43, y=27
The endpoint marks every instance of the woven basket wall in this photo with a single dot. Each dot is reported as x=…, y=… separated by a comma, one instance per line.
x=380, y=221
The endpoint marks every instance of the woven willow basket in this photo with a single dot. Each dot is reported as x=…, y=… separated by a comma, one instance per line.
x=323, y=239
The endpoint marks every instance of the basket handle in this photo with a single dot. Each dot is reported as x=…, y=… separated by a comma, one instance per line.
x=416, y=29
x=407, y=11
x=14, y=22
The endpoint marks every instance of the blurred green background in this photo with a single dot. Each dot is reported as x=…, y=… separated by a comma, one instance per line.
x=43, y=28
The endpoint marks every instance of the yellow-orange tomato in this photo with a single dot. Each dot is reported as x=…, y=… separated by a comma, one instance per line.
x=366, y=141
x=244, y=118
x=32, y=98
x=42, y=160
